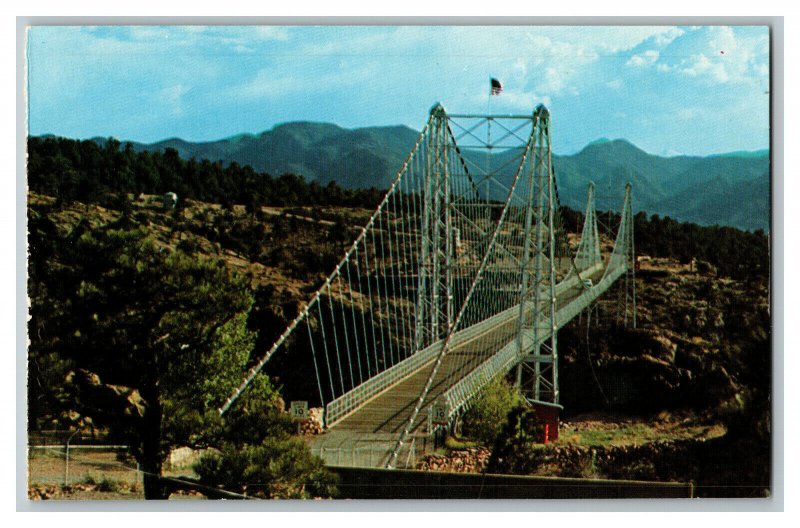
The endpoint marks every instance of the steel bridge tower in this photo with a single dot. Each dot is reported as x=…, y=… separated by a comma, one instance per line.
x=539, y=272
x=435, y=302
x=435, y=283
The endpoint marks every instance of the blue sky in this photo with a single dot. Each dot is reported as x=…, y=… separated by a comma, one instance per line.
x=669, y=90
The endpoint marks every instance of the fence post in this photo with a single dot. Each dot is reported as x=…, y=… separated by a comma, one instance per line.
x=66, y=459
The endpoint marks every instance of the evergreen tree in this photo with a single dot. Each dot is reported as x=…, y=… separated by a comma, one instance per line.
x=153, y=338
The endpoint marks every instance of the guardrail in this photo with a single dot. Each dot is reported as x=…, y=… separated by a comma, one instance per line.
x=459, y=394
x=343, y=406
x=346, y=404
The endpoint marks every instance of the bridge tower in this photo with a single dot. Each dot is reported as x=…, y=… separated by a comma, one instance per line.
x=437, y=250
x=537, y=372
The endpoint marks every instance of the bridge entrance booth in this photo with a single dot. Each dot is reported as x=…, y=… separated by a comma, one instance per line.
x=464, y=272
x=548, y=415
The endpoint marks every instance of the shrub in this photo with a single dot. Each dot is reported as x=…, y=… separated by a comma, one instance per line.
x=489, y=412
x=516, y=450
x=274, y=469
x=108, y=485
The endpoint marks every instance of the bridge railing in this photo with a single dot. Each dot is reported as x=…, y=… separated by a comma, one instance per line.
x=460, y=394
x=467, y=387
x=349, y=402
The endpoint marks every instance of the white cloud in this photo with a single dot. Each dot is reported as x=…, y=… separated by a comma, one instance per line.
x=553, y=80
x=148, y=33
x=554, y=61
x=359, y=43
x=662, y=39
x=241, y=48
x=612, y=39
x=643, y=59
x=265, y=83
x=520, y=67
x=511, y=100
x=701, y=66
x=173, y=96
x=718, y=55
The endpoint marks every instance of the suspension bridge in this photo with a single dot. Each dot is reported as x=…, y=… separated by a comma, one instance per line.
x=464, y=272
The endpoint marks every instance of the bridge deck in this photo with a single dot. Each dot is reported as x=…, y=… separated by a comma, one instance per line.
x=385, y=415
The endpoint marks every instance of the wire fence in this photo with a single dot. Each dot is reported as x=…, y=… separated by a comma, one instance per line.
x=81, y=464
x=372, y=455
x=89, y=464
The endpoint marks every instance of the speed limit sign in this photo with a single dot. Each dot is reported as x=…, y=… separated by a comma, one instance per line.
x=439, y=413
x=299, y=410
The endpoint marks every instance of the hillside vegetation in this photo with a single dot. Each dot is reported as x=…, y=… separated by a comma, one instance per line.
x=726, y=189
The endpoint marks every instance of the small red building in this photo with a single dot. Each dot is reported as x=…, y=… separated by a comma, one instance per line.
x=548, y=414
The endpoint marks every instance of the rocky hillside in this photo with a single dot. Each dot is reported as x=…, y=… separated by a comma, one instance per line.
x=284, y=253
x=691, y=383
x=702, y=341
x=683, y=397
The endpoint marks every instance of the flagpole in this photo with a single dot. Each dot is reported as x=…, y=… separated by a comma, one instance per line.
x=489, y=123
x=489, y=153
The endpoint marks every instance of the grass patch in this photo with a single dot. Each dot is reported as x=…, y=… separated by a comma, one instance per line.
x=636, y=433
x=108, y=485
x=627, y=434
x=453, y=442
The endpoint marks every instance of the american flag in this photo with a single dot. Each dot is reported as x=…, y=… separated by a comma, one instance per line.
x=497, y=88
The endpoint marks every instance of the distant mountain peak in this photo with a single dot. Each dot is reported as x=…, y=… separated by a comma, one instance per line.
x=305, y=127
x=605, y=144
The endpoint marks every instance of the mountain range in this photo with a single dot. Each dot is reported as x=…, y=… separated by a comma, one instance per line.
x=727, y=189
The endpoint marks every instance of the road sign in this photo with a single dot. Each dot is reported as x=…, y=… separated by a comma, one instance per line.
x=440, y=412
x=299, y=410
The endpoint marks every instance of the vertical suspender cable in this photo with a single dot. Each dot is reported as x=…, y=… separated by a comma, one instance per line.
x=346, y=337
x=325, y=347
x=316, y=369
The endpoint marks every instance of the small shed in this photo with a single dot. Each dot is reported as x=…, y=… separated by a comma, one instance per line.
x=548, y=414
